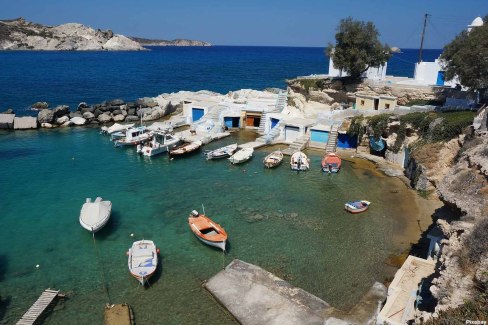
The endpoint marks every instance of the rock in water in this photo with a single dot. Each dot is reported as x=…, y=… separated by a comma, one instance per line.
x=78, y=120
x=88, y=115
x=104, y=118
x=45, y=116
x=62, y=120
x=61, y=110
x=40, y=105
x=119, y=118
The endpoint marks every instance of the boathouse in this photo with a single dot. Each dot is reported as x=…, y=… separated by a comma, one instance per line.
x=370, y=102
x=296, y=128
x=319, y=136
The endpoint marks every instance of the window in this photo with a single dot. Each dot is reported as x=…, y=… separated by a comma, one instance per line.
x=387, y=106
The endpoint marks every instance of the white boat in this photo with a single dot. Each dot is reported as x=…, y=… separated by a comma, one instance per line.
x=95, y=215
x=299, y=161
x=186, y=148
x=241, y=156
x=223, y=152
x=116, y=128
x=273, y=159
x=143, y=260
x=134, y=136
x=161, y=142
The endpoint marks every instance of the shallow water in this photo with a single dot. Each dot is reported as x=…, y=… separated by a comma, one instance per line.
x=290, y=224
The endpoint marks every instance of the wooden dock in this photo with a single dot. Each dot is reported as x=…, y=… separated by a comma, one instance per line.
x=36, y=310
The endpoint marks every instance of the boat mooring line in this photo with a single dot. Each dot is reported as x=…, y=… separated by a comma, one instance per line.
x=104, y=284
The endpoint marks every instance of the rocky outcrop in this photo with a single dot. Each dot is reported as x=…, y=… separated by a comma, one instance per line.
x=19, y=34
x=45, y=116
x=175, y=42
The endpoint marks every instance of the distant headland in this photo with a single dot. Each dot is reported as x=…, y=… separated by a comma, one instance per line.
x=19, y=34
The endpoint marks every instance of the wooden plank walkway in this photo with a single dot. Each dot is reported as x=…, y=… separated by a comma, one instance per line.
x=38, y=307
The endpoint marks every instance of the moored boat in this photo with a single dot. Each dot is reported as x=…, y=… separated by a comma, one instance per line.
x=241, y=156
x=143, y=260
x=223, y=152
x=357, y=206
x=185, y=148
x=207, y=231
x=331, y=163
x=134, y=136
x=273, y=159
x=160, y=143
x=95, y=215
x=117, y=127
x=299, y=161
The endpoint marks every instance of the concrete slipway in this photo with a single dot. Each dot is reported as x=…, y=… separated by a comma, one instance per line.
x=255, y=296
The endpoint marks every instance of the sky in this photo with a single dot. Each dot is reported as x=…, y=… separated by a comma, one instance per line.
x=257, y=22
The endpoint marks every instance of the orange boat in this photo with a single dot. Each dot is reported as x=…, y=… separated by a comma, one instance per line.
x=207, y=231
x=331, y=163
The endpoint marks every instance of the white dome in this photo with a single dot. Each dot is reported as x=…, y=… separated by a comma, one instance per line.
x=477, y=22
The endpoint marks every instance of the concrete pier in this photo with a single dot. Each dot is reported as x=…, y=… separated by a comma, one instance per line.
x=254, y=296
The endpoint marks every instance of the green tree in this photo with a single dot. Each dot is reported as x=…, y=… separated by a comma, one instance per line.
x=357, y=47
x=467, y=58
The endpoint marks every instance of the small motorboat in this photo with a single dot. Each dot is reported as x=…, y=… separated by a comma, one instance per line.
x=161, y=142
x=223, y=152
x=273, y=159
x=143, y=260
x=299, y=161
x=115, y=128
x=331, y=163
x=241, y=156
x=207, y=231
x=133, y=137
x=357, y=207
x=185, y=148
x=95, y=215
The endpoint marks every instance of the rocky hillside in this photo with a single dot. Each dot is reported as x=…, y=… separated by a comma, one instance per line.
x=18, y=34
x=176, y=42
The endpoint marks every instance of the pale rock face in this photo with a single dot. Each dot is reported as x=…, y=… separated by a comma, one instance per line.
x=119, y=118
x=88, y=115
x=104, y=118
x=47, y=125
x=62, y=120
x=120, y=42
x=78, y=120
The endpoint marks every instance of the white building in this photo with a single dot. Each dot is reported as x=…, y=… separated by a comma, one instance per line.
x=372, y=73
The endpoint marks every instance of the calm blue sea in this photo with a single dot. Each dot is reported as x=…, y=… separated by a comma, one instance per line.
x=72, y=77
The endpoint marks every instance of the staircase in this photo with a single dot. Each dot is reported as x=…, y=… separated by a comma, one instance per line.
x=298, y=145
x=332, y=142
x=279, y=106
x=268, y=138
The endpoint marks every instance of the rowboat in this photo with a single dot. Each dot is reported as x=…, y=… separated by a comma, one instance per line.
x=273, y=159
x=134, y=136
x=95, y=215
x=207, y=231
x=185, y=148
x=143, y=260
x=357, y=206
x=241, y=156
x=223, y=152
x=299, y=161
x=160, y=143
x=331, y=163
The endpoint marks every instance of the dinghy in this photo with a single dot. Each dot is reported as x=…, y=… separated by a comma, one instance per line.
x=115, y=128
x=241, y=156
x=357, y=207
x=331, y=163
x=185, y=148
x=95, y=215
x=160, y=143
x=273, y=159
x=207, y=231
x=143, y=260
x=299, y=161
x=223, y=152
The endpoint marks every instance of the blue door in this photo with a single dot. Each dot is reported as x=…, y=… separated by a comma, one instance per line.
x=274, y=122
x=228, y=121
x=319, y=136
x=197, y=113
x=440, y=78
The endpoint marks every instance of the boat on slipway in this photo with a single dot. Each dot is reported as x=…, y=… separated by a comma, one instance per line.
x=95, y=215
x=207, y=231
x=186, y=148
x=161, y=142
x=134, y=136
x=357, y=206
x=331, y=163
x=143, y=260
x=223, y=152
x=273, y=159
x=299, y=161
x=241, y=156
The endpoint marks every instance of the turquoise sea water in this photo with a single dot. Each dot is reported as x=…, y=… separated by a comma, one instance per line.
x=290, y=224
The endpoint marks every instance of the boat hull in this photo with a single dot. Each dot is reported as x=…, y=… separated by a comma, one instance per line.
x=357, y=207
x=142, y=260
x=219, y=244
x=207, y=231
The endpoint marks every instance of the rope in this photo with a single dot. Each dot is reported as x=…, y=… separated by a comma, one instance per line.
x=102, y=275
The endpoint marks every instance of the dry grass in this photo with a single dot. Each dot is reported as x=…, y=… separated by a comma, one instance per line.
x=428, y=154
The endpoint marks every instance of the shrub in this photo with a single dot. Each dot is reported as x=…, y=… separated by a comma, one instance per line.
x=356, y=128
x=422, y=102
x=477, y=242
x=451, y=126
x=379, y=124
x=307, y=84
